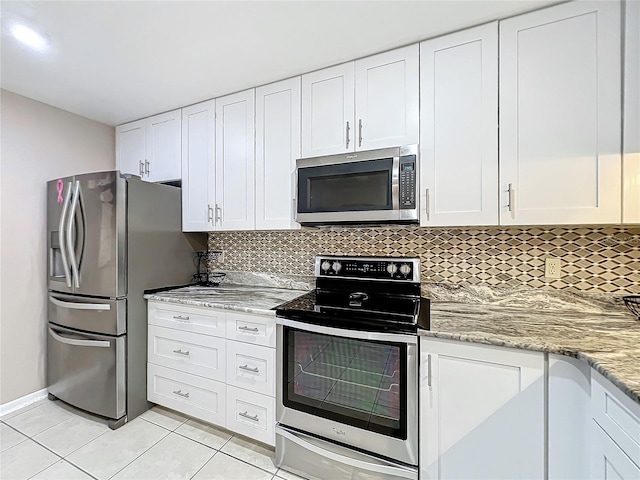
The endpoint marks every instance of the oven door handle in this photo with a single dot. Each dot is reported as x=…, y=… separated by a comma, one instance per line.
x=344, y=332
x=336, y=457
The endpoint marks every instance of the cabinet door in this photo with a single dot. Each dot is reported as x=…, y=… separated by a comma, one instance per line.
x=560, y=115
x=608, y=461
x=631, y=121
x=131, y=148
x=387, y=112
x=328, y=111
x=235, y=155
x=569, y=413
x=163, y=146
x=198, y=167
x=481, y=412
x=277, y=148
x=459, y=131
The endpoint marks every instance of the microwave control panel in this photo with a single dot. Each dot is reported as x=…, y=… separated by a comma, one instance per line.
x=408, y=182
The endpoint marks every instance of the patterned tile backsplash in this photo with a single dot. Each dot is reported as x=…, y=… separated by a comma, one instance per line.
x=593, y=259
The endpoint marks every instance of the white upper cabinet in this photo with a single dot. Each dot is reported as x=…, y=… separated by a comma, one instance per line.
x=151, y=147
x=560, y=159
x=277, y=148
x=387, y=109
x=198, y=167
x=631, y=134
x=327, y=111
x=459, y=128
x=235, y=190
x=369, y=103
x=131, y=147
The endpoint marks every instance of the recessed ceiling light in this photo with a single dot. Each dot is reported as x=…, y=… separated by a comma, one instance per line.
x=29, y=37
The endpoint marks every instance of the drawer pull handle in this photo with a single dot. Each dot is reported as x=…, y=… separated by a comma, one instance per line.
x=248, y=329
x=180, y=352
x=245, y=414
x=249, y=369
x=180, y=317
x=179, y=392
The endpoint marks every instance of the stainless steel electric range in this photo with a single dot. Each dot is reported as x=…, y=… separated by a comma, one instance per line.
x=347, y=378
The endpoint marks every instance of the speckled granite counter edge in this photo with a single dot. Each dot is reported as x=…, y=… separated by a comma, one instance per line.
x=200, y=303
x=553, y=349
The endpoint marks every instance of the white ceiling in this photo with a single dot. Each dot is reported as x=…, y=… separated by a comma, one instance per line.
x=116, y=61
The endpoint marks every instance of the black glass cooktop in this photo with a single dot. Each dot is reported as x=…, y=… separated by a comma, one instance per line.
x=359, y=310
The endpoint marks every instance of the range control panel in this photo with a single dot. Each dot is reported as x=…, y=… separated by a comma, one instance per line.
x=369, y=268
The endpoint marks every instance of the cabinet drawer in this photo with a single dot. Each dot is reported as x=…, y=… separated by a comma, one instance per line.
x=256, y=329
x=190, y=319
x=194, y=353
x=196, y=396
x=251, y=414
x=251, y=367
x=618, y=415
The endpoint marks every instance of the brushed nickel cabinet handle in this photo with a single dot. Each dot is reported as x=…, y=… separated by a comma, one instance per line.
x=348, y=141
x=180, y=352
x=146, y=167
x=248, y=329
x=180, y=317
x=249, y=369
x=428, y=205
x=210, y=214
x=359, y=132
x=429, y=371
x=245, y=414
x=141, y=169
x=183, y=395
x=512, y=200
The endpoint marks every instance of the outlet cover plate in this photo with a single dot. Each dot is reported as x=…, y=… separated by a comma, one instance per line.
x=552, y=268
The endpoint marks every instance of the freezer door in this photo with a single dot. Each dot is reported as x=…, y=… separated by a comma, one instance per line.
x=97, y=315
x=59, y=194
x=98, y=225
x=87, y=371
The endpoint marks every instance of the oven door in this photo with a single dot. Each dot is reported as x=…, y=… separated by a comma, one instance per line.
x=352, y=387
x=351, y=191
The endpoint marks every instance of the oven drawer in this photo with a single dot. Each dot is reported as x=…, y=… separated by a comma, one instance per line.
x=319, y=459
x=190, y=319
x=251, y=367
x=196, y=396
x=256, y=329
x=194, y=353
x=251, y=414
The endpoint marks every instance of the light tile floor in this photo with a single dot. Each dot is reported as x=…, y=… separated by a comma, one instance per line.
x=53, y=441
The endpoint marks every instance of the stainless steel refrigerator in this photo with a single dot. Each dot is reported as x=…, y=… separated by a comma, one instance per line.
x=109, y=237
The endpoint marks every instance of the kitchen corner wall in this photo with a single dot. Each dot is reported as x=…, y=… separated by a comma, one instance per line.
x=39, y=143
x=594, y=259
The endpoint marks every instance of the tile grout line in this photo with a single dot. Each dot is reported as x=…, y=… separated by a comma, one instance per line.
x=205, y=464
x=145, y=451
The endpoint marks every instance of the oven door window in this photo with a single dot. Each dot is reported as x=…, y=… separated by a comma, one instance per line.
x=355, y=382
x=357, y=186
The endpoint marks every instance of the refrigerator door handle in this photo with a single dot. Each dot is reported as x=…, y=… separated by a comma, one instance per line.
x=63, y=215
x=79, y=343
x=79, y=306
x=70, y=223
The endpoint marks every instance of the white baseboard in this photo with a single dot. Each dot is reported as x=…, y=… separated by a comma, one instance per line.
x=22, y=402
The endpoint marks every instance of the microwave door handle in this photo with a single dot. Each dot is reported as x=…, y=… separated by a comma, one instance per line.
x=61, y=237
x=70, y=243
x=395, y=183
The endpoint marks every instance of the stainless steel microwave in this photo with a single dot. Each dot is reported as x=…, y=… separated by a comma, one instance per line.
x=374, y=186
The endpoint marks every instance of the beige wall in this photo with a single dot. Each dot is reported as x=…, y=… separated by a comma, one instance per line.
x=38, y=143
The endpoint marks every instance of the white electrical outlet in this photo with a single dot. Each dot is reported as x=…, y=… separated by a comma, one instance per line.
x=552, y=268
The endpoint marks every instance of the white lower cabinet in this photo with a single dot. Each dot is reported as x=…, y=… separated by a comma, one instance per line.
x=473, y=400
x=190, y=394
x=251, y=414
x=616, y=432
x=214, y=365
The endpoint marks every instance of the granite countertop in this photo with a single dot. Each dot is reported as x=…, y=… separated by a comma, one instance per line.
x=241, y=298
x=598, y=330
x=607, y=341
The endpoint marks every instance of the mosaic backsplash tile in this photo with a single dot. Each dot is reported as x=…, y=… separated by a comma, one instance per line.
x=594, y=259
